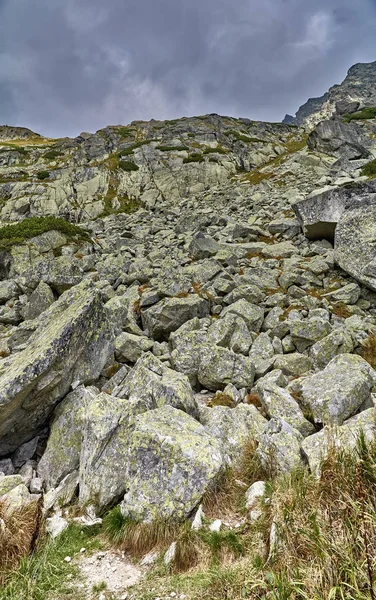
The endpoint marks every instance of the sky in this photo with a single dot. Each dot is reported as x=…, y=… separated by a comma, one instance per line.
x=68, y=66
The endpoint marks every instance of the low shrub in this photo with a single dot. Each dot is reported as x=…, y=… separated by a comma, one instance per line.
x=366, y=113
x=369, y=170
x=194, y=157
x=127, y=165
x=33, y=226
x=43, y=175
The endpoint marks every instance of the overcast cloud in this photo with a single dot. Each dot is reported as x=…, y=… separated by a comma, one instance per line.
x=68, y=66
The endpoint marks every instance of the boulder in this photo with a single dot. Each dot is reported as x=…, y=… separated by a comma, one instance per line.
x=172, y=462
x=41, y=298
x=339, y=341
x=157, y=385
x=280, y=447
x=130, y=347
x=71, y=345
x=219, y=366
x=336, y=393
x=319, y=214
x=203, y=246
x=277, y=402
x=345, y=437
x=169, y=314
x=62, y=454
x=252, y=314
x=354, y=248
x=233, y=427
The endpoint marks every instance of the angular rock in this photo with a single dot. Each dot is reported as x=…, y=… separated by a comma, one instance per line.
x=172, y=461
x=169, y=314
x=41, y=298
x=71, y=345
x=203, y=246
x=336, y=393
x=279, y=403
x=345, y=437
x=62, y=455
x=252, y=314
x=233, y=427
x=219, y=366
x=156, y=385
x=129, y=347
x=280, y=447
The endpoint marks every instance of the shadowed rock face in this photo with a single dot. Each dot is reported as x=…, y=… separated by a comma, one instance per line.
x=319, y=215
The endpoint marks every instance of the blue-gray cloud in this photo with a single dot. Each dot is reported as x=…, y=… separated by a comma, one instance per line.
x=82, y=64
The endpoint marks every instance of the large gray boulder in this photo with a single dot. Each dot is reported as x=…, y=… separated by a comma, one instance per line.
x=317, y=446
x=172, y=462
x=71, y=345
x=336, y=393
x=355, y=249
x=233, y=427
x=279, y=403
x=156, y=385
x=62, y=455
x=169, y=314
x=319, y=214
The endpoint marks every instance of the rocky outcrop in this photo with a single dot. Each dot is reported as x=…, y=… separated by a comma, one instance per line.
x=357, y=89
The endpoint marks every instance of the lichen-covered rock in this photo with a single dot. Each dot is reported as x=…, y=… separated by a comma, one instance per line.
x=130, y=347
x=41, y=298
x=71, y=345
x=339, y=341
x=305, y=333
x=173, y=461
x=279, y=403
x=336, y=393
x=233, y=427
x=157, y=385
x=220, y=366
x=294, y=364
x=104, y=458
x=262, y=354
x=280, y=447
x=231, y=332
x=62, y=455
x=354, y=248
x=252, y=314
x=169, y=314
x=345, y=437
x=203, y=246
x=9, y=482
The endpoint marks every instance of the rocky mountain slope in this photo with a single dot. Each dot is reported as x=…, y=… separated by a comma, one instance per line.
x=171, y=291
x=358, y=90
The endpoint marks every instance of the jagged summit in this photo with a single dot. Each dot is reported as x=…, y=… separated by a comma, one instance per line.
x=359, y=86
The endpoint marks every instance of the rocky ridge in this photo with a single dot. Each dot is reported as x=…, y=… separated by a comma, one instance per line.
x=214, y=292
x=356, y=91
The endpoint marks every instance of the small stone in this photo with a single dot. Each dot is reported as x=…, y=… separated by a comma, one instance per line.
x=68, y=559
x=216, y=525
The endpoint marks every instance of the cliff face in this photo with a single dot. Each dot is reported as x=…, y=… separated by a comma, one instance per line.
x=359, y=87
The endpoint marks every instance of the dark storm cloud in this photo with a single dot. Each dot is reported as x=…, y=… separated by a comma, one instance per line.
x=82, y=64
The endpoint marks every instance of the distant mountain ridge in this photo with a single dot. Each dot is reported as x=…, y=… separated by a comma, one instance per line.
x=359, y=87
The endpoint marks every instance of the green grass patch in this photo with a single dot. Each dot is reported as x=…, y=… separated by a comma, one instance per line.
x=242, y=137
x=194, y=158
x=52, y=154
x=33, y=226
x=366, y=113
x=128, y=166
x=369, y=170
x=127, y=206
x=218, y=150
x=131, y=149
x=45, y=574
x=43, y=175
x=173, y=148
x=125, y=132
